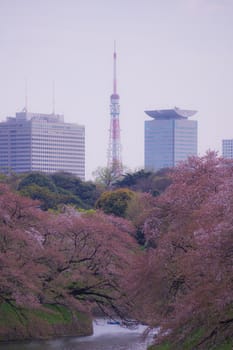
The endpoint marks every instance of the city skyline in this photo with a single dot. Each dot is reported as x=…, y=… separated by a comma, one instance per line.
x=170, y=53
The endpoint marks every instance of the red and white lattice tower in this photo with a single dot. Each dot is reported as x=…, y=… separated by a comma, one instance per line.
x=114, y=147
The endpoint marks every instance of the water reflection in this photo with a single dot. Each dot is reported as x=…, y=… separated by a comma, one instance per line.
x=106, y=337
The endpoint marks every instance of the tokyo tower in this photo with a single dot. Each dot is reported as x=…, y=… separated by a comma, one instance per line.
x=114, y=147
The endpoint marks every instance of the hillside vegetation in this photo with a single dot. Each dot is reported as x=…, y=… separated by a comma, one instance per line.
x=153, y=247
x=58, y=264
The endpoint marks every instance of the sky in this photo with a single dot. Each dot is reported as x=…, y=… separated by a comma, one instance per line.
x=169, y=53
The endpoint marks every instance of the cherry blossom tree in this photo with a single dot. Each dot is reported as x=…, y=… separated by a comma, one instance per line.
x=73, y=259
x=88, y=258
x=186, y=276
x=20, y=221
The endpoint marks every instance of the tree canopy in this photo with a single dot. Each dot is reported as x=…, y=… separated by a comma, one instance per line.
x=179, y=278
x=38, y=179
x=115, y=202
x=185, y=280
x=145, y=181
x=72, y=259
x=58, y=189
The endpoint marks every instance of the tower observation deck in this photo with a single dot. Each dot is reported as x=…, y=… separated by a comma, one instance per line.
x=174, y=113
x=114, y=147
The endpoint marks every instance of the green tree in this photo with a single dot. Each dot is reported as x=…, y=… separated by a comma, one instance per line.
x=59, y=188
x=47, y=198
x=137, y=212
x=115, y=202
x=39, y=179
x=145, y=181
x=84, y=191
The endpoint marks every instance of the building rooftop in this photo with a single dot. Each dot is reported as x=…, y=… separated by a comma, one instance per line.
x=24, y=115
x=175, y=113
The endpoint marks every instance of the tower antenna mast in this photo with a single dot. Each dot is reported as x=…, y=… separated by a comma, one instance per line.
x=114, y=70
x=114, y=147
x=53, y=98
x=26, y=96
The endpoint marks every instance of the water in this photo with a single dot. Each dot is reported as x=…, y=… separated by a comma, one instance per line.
x=105, y=337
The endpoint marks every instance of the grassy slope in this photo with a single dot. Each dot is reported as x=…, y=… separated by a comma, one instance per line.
x=48, y=321
x=213, y=335
x=193, y=342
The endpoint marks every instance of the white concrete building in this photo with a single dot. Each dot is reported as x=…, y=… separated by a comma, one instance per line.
x=41, y=142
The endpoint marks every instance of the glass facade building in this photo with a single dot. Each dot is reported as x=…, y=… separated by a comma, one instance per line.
x=227, y=148
x=41, y=142
x=170, y=137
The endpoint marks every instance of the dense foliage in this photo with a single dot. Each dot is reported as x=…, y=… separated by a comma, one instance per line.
x=181, y=278
x=59, y=189
x=186, y=276
x=115, y=202
x=145, y=181
x=71, y=259
x=56, y=190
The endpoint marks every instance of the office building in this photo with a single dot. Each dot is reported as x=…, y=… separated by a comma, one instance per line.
x=227, y=148
x=170, y=137
x=41, y=142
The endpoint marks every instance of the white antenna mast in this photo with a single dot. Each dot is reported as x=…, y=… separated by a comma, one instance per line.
x=26, y=96
x=53, y=98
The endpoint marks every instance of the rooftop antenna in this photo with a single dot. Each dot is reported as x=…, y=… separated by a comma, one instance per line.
x=114, y=70
x=53, y=98
x=26, y=96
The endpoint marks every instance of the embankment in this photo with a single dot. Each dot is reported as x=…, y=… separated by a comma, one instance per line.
x=17, y=323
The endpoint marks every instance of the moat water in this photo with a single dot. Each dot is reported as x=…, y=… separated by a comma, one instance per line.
x=105, y=337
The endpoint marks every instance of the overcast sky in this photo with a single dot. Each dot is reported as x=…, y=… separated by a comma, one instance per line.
x=169, y=53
